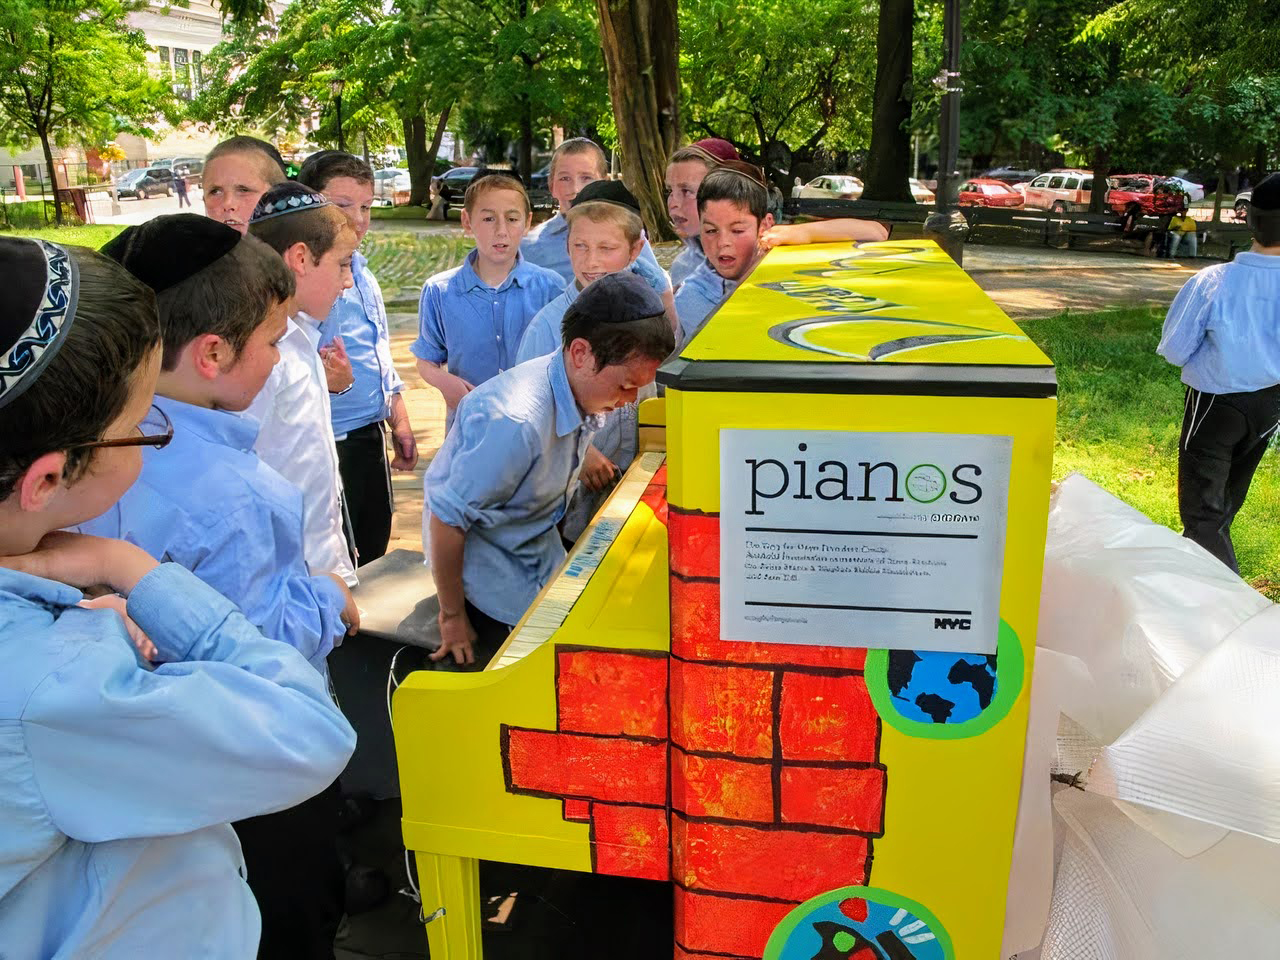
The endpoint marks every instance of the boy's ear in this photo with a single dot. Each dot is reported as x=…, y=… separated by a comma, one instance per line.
x=297, y=258
x=210, y=355
x=581, y=356
x=41, y=482
x=636, y=248
x=466, y=222
x=766, y=223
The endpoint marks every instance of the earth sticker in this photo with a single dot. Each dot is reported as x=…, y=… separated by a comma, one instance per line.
x=859, y=923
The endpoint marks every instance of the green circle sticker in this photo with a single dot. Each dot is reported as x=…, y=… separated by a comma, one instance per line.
x=925, y=483
x=946, y=696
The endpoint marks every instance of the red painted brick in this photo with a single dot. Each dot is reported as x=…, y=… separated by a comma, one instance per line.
x=612, y=693
x=718, y=787
x=720, y=709
x=827, y=718
x=695, y=617
x=579, y=811
x=655, y=494
x=725, y=925
x=601, y=768
x=851, y=799
x=780, y=863
x=682, y=954
x=695, y=636
x=631, y=841
x=695, y=544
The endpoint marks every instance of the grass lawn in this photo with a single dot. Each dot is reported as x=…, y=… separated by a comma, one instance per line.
x=91, y=235
x=1119, y=416
x=402, y=259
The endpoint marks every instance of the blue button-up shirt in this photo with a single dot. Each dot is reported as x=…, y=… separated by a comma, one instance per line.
x=475, y=328
x=687, y=259
x=702, y=291
x=1223, y=327
x=360, y=317
x=208, y=503
x=548, y=246
x=117, y=781
x=543, y=334
x=504, y=474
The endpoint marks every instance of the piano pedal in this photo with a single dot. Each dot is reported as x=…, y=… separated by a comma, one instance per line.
x=498, y=911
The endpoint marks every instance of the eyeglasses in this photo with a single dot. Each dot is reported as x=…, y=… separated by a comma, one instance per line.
x=158, y=441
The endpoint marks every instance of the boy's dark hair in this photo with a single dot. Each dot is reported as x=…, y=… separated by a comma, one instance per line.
x=1264, y=211
x=621, y=317
x=727, y=183
x=229, y=298
x=271, y=164
x=327, y=165
x=486, y=181
x=87, y=384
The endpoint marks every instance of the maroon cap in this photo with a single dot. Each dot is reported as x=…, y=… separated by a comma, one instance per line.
x=716, y=150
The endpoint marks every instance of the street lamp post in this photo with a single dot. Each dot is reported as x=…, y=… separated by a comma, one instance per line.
x=336, y=86
x=946, y=224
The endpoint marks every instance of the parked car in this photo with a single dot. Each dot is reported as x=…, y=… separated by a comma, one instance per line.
x=145, y=182
x=539, y=180
x=988, y=192
x=388, y=183
x=452, y=184
x=1060, y=191
x=836, y=186
x=919, y=192
x=1194, y=191
x=1154, y=194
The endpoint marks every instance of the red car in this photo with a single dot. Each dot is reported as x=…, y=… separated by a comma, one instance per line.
x=1154, y=194
x=984, y=192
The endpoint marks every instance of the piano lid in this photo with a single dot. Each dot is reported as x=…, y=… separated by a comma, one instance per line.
x=898, y=317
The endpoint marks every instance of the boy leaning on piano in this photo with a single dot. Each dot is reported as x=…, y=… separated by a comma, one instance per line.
x=504, y=475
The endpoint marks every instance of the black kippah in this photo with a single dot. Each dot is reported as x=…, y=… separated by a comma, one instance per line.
x=37, y=308
x=285, y=198
x=167, y=250
x=608, y=191
x=1266, y=195
x=617, y=298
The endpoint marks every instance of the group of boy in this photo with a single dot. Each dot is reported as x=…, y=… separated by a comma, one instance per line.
x=205, y=404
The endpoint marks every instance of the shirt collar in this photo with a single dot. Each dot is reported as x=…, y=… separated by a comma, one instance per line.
x=1266, y=261
x=571, y=290
x=471, y=280
x=705, y=274
x=568, y=415
x=215, y=426
x=38, y=590
x=557, y=224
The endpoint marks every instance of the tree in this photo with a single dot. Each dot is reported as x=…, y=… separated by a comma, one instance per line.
x=73, y=69
x=641, y=42
x=890, y=161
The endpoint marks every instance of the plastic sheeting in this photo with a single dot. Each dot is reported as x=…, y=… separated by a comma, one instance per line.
x=1158, y=682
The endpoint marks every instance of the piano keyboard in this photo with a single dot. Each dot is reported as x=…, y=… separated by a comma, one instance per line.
x=552, y=606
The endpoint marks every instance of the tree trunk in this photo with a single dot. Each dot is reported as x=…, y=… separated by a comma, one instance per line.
x=53, y=178
x=526, y=135
x=890, y=161
x=641, y=41
x=1217, y=196
x=1101, y=170
x=416, y=158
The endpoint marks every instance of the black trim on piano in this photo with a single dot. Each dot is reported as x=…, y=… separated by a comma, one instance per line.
x=897, y=379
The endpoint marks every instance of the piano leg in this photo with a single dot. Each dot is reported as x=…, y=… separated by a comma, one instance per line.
x=454, y=884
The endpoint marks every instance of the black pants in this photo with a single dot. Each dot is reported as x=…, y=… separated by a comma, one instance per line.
x=1224, y=437
x=366, y=485
x=296, y=877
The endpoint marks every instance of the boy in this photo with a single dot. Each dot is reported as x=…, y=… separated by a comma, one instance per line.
x=295, y=435
x=502, y=478
x=575, y=164
x=357, y=328
x=471, y=318
x=120, y=776
x=685, y=172
x=1221, y=330
x=605, y=236
x=237, y=172
x=208, y=503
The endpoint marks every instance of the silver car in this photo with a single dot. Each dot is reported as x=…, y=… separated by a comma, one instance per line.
x=833, y=186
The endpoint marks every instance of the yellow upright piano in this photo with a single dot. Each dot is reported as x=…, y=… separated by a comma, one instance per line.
x=787, y=666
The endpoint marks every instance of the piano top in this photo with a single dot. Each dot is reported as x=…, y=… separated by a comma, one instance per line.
x=898, y=317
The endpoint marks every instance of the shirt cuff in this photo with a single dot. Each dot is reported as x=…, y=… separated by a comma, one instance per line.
x=175, y=609
x=426, y=351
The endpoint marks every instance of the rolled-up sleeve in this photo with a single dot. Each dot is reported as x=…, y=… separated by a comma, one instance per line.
x=490, y=457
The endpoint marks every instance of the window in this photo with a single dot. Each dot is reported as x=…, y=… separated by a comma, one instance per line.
x=1087, y=185
x=196, y=75
x=1072, y=183
x=968, y=188
x=1055, y=183
x=164, y=57
x=1040, y=182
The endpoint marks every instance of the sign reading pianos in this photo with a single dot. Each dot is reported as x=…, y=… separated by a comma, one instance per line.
x=880, y=540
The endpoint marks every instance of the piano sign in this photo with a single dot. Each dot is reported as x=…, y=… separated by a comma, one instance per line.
x=877, y=540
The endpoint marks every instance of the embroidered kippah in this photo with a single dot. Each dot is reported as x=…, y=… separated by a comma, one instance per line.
x=286, y=198
x=37, y=308
x=168, y=250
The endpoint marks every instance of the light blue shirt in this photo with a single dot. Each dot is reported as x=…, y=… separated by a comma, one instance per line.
x=544, y=334
x=208, y=503
x=687, y=259
x=117, y=782
x=360, y=316
x=504, y=474
x=702, y=291
x=548, y=246
x=1223, y=327
x=475, y=328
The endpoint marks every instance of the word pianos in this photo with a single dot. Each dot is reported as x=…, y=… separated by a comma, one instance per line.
x=787, y=667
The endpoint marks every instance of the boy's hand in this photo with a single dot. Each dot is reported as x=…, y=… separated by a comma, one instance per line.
x=454, y=389
x=785, y=234
x=405, y=446
x=598, y=471
x=337, y=366
x=113, y=601
x=457, y=637
x=79, y=560
x=350, y=612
